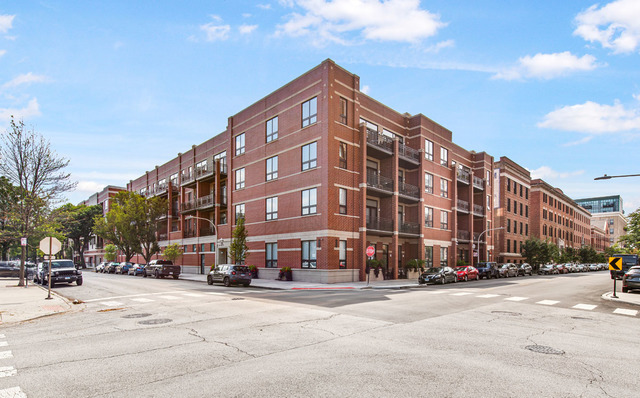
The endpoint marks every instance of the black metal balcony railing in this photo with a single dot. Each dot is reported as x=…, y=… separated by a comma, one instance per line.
x=188, y=206
x=187, y=178
x=478, y=210
x=409, y=227
x=409, y=190
x=204, y=171
x=207, y=231
x=379, y=140
x=463, y=235
x=408, y=153
x=205, y=202
x=478, y=183
x=162, y=236
x=375, y=180
x=463, y=206
x=476, y=235
x=189, y=233
x=379, y=224
x=463, y=176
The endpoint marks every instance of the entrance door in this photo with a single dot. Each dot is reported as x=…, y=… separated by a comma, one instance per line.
x=223, y=256
x=202, y=264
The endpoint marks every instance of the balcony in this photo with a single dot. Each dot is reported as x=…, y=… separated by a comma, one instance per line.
x=379, y=183
x=478, y=183
x=463, y=235
x=189, y=206
x=188, y=178
x=205, y=172
x=463, y=176
x=409, y=191
x=478, y=210
x=409, y=228
x=379, y=224
x=208, y=231
x=381, y=145
x=408, y=156
x=462, y=206
x=205, y=202
x=162, y=236
x=476, y=235
x=189, y=233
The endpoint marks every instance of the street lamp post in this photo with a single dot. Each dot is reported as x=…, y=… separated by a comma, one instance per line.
x=480, y=236
x=215, y=231
x=606, y=177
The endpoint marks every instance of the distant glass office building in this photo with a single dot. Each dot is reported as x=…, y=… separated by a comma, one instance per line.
x=604, y=204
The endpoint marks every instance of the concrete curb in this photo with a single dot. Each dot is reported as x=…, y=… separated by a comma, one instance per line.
x=621, y=298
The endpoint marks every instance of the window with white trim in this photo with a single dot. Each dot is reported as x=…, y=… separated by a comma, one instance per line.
x=309, y=254
x=428, y=149
x=272, y=129
x=239, y=212
x=309, y=156
x=428, y=217
x=272, y=208
x=271, y=256
x=444, y=188
x=272, y=168
x=239, y=144
x=444, y=219
x=309, y=201
x=428, y=182
x=310, y=112
x=444, y=157
x=343, y=201
x=240, y=178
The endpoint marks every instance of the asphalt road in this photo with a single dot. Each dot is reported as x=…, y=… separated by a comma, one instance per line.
x=519, y=337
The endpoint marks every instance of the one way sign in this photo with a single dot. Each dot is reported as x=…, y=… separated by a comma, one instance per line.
x=615, y=263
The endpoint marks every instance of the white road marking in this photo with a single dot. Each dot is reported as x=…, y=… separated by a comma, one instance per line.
x=216, y=294
x=516, y=298
x=587, y=307
x=193, y=294
x=548, y=302
x=2, y=336
x=5, y=354
x=132, y=295
x=142, y=300
x=111, y=303
x=488, y=295
x=461, y=294
x=169, y=297
x=439, y=291
x=623, y=311
x=13, y=392
x=3, y=344
x=6, y=371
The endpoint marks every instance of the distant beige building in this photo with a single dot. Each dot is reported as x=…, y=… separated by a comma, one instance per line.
x=607, y=213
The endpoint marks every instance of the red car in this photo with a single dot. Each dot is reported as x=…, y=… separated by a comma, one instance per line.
x=467, y=273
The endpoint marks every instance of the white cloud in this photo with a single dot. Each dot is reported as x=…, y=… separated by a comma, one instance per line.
x=27, y=78
x=546, y=172
x=6, y=23
x=548, y=66
x=264, y=6
x=215, y=30
x=89, y=187
x=615, y=25
x=593, y=119
x=439, y=46
x=246, y=29
x=32, y=109
x=390, y=20
x=2, y=52
x=365, y=90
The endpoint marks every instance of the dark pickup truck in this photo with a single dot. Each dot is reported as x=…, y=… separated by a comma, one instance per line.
x=161, y=268
x=488, y=270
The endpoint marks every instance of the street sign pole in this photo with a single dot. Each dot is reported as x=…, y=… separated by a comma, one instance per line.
x=52, y=246
x=615, y=264
x=50, y=241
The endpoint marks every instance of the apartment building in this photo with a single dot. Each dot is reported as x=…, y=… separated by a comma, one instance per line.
x=557, y=218
x=607, y=210
x=319, y=171
x=599, y=236
x=94, y=254
x=512, y=184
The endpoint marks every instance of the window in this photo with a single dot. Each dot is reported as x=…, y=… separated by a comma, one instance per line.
x=186, y=249
x=508, y=245
x=508, y=185
x=444, y=220
x=272, y=129
x=239, y=212
x=240, y=178
x=488, y=179
x=488, y=202
x=271, y=256
x=526, y=229
x=428, y=256
x=520, y=190
x=521, y=213
x=343, y=110
x=526, y=193
x=428, y=150
x=272, y=168
x=526, y=211
x=272, y=208
x=239, y=144
x=428, y=183
x=223, y=217
x=343, y=201
x=508, y=225
x=310, y=112
x=309, y=156
x=444, y=256
x=428, y=217
x=342, y=254
x=521, y=230
x=222, y=157
x=444, y=157
x=342, y=153
x=174, y=179
x=444, y=188
x=309, y=201
x=308, y=254
x=544, y=214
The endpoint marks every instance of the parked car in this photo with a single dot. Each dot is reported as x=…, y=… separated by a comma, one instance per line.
x=161, y=268
x=631, y=279
x=8, y=269
x=123, y=268
x=487, y=270
x=61, y=271
x=507, y=270
x=110, y=268
x=467, y=273
x=573, y=268
x=136, y=269
x=100, y=267
x=439, y=275
x=525, y=269
x=230, y=274
x=593, y=267
x=562, y=268
x=547, y=269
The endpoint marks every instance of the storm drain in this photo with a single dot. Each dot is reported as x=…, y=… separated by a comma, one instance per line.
x=509, y=313
x=154, y=321
x=543, y=349
x=132, y=316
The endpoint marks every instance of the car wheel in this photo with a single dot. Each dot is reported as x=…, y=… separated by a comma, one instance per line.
x=246, y=284
x=226, y=282
x=144, y=274
x=209, y=280
x=466, y=278
x=79, y=282
x=625, y=289
x=175, y=277
x=157, y=274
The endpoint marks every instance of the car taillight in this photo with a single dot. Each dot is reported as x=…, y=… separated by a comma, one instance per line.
x=233, y=272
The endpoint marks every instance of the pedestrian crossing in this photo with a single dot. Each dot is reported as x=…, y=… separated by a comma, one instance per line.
x=172, y=296
x=8, y=370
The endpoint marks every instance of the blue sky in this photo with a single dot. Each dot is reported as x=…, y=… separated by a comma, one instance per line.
x=121, y=86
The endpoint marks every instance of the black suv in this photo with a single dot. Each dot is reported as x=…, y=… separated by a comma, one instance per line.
x=61, y=271
x=488, y=270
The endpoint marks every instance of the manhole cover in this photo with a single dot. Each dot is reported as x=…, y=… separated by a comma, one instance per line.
x=130, y=316
x=154, y=321
x=543, y=349
x=506, y=313
x=237, y=298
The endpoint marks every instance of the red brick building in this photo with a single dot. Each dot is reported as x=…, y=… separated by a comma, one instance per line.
x=320, y=171
x=94, y=254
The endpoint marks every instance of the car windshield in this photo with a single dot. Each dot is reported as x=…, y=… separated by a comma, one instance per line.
x=461, y=269
x=62, y=264
x=505, y=266
x=432, y=270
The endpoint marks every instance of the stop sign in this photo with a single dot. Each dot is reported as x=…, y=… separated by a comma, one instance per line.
x=371, y=251
x=50, y=245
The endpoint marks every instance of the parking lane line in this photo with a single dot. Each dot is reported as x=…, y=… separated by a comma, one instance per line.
x=3, y=344
x=623, y=311
x=488, y=295
x=13, y=392
x=111, y=303
x=132, y=295
x=142, y=300
x=547, y=302
x=462, y=294
x=193, y=294
x=169, y=297
x=7, y=371
x=516, y=298
x=5, y=354
x=587, y=307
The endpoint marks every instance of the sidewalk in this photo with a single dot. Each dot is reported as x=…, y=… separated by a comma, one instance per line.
x=19, y=304
x=629, y=298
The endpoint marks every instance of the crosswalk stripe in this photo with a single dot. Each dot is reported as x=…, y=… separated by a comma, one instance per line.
x=5, y=354
x=3, y=344
x=587, y=307
x=13, y=392
x=169, y=297
x=516, y=298
x=461, y=294
x=142, y=300
x=6, y=371
x=111, y=303
x=488, y=295
x=216, y=294
x=623, y=311
x=548, y=302
x=439, y=291
x=2, y=336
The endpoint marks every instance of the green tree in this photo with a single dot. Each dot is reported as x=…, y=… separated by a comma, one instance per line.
x=110, y=252
x=172, y=252
x=76, y=224
x=147, y=214
x=538, y=252
x=587, y=254
x=238, y=249
x=631, y=239
x=9, y=232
